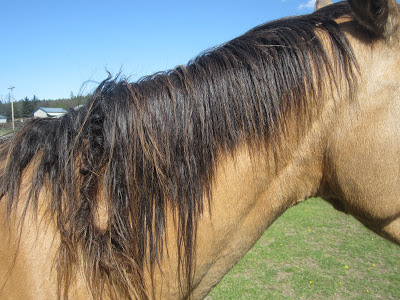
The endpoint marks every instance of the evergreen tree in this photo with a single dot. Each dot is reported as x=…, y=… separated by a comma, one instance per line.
x=7, y=111
x=17, y=110
x=35, y=103
x=25, y=109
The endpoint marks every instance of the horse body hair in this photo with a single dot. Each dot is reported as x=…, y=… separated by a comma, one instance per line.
x=154, y=144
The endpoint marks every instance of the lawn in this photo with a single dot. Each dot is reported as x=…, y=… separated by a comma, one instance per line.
x=315, y=252
x=4, y=131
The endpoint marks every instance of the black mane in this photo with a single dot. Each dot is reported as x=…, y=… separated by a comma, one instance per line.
x=153, y=144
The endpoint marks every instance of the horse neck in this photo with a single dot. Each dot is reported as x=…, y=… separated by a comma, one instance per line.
x=251, y=189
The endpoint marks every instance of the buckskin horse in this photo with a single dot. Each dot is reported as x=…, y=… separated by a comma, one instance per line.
x=155, y=189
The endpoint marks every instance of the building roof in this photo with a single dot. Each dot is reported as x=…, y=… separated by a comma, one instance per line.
x=2, y=117
x=52, y=110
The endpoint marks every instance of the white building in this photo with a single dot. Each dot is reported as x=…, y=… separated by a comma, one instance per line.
x=3, y=119
x=49, y=112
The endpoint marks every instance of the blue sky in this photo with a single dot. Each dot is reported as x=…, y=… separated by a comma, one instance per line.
x=50, y=48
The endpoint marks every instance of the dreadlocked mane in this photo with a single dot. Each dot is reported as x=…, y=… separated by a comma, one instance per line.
x=147, y=146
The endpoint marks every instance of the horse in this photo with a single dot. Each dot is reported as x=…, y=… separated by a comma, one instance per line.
x=156, y=188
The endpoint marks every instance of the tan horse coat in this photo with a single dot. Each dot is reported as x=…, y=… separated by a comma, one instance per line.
x=349, y=156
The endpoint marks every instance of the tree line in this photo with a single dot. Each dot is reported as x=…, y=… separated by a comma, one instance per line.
x=25, y=108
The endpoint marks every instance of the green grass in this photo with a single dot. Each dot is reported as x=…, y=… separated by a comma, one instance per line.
x=315, y=252
x=4, y=131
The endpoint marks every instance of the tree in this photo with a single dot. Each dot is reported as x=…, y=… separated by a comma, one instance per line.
x=28, y=107
x=35, y=101
x=7, y=110
x=25, y=107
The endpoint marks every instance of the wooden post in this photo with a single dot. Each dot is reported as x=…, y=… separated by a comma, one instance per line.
x=12, y=106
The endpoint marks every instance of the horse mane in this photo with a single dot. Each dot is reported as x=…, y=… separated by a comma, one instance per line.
x=154, y=144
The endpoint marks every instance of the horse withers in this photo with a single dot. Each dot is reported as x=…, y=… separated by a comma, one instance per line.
x=155, y=189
